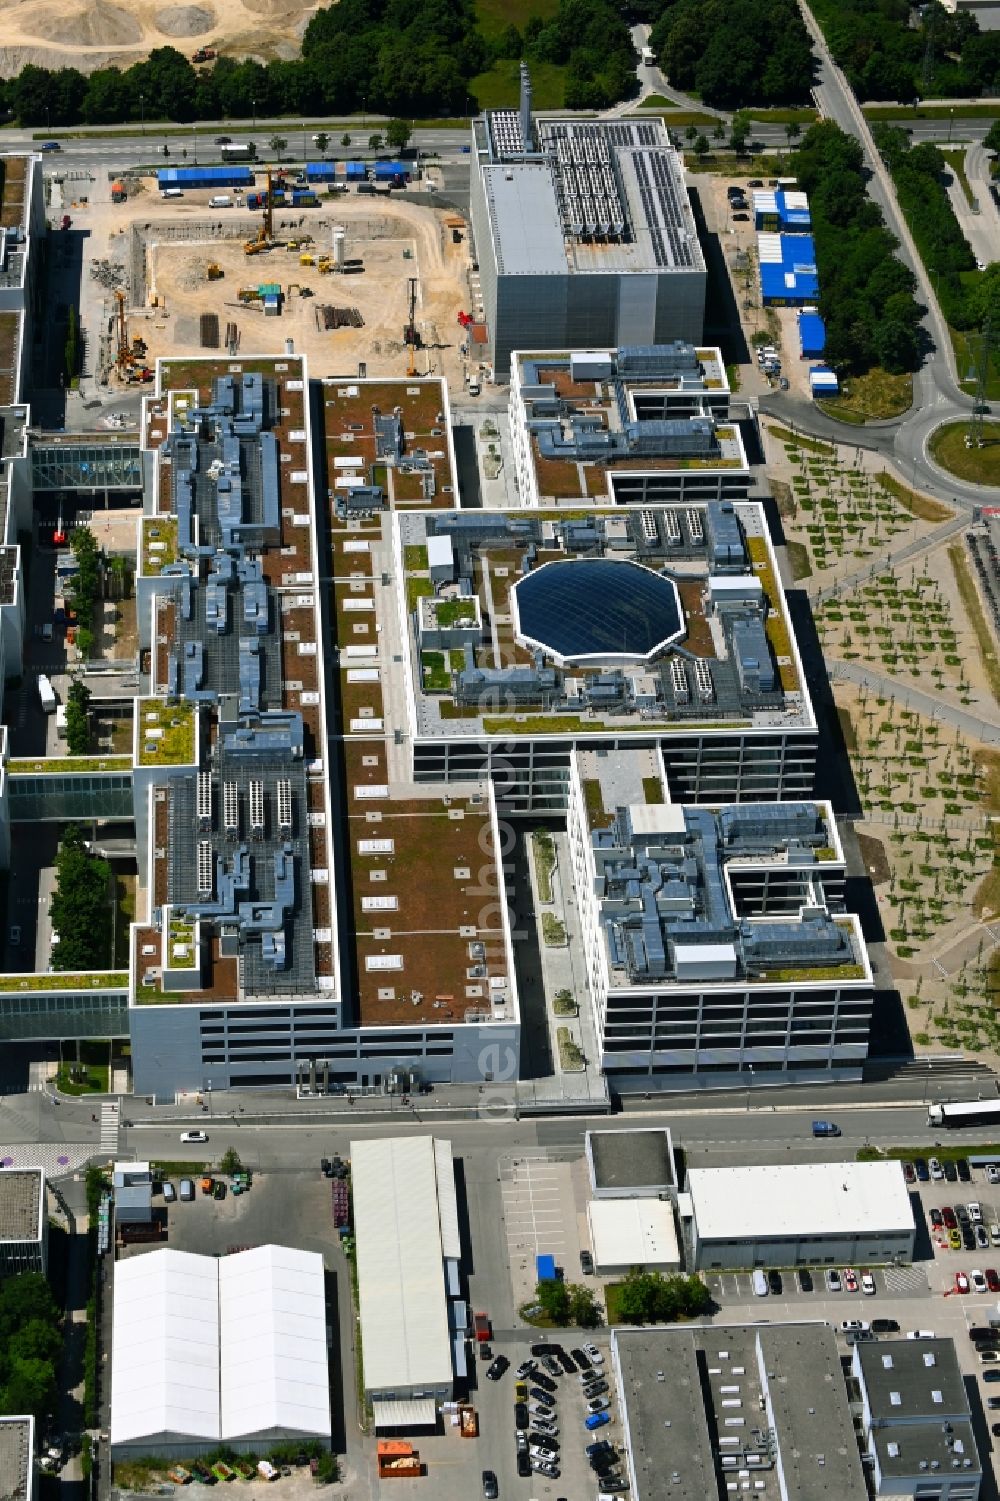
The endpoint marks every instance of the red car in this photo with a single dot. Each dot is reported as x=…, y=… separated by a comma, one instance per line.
x=851, y=1280
x=992, y=1280
x=961, y=1282
x=948, y=1215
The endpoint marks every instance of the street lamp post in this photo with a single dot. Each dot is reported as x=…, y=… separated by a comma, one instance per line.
x=253, y=102
x=951, y=120
x=750, y=1085
x=142, y=111
x=208, y=1091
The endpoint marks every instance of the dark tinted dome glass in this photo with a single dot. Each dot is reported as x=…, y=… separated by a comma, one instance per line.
x=596, y=607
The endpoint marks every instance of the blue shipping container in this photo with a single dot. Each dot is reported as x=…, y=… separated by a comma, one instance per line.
x=545, y=1268
x=321, y=171
x=204, y=177
x=812, y=335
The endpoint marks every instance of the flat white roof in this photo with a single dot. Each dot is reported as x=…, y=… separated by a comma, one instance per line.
x=272, y=1329
x=633, y=1232
x=219, y=1348
x=405, y=1339
x=815, y=1198
x=165, y=1347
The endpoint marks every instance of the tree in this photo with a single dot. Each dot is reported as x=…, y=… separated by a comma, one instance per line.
x=398, y=133
x=583, y=1309
x=991, y=140
x=691, y=133
x=72, y=352
x=553, y=1296
x=78, y=718
x=792, y=131
x=80, y=908
x=345, y=140
x=701, y=147
x=650, y=1298
x=739, y=133
x=375, y=142
x=278, y=145
x=322, y=142
x=719, y=131
x=230, y=1162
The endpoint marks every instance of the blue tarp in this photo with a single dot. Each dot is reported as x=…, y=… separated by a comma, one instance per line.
x=812, y=335
x=229, y=176
x=545, y=1268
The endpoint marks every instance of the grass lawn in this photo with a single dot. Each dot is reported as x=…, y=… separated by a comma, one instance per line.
x=494, y=16
x=956, y=164
x=981, y=466
x=544, y=855
x=799, y=440
x=973, y=608
x=803, y=116
x=871, y=397
x=900, y=112
x=656, y=101
x=94, y=1080
x=920, y=506
x=500, y=86
x=967, y=347
x=798, y=560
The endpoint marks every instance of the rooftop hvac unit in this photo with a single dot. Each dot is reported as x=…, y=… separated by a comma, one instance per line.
x=230, y=808
x=257, y=809
x=673, y=528
x=204, y=867
x=703, y=681
x=284, y=806
x=695, y=526
x=204, y=801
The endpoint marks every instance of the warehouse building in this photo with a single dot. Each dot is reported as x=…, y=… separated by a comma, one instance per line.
x=627, y=1233
x=24, y=1225
x=788, y=275
x=716, y=943
x=210, y=1350
x=916, y=1420
x=17, y=1458
x=408, y=1254
x=800, y=1214
x=584, y=234
x=730, y=1410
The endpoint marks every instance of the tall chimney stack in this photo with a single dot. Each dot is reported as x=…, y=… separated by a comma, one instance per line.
x=526, y=134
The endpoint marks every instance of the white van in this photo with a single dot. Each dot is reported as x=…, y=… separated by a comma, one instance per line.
x=171, y=193
x=221, y=200
x=758, y=1283
x=193, y=1136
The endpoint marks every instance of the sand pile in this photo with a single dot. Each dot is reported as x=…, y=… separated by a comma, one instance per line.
x=185, y=20
x=94, y=25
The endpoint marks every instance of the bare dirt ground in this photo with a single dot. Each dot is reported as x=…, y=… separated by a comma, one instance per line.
x=394, y=241
x=95, y=33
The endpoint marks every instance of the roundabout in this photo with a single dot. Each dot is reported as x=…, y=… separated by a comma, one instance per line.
x=947, y=447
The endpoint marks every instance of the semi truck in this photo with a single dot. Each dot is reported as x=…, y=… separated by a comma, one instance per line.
x=238, y=151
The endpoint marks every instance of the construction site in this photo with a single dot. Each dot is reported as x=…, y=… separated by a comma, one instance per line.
x=384, y=285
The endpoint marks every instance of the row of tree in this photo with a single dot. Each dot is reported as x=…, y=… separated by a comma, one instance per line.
x=894, y=51
x=866, y=293
x=81, y=906
x=87, y=586
x=29, y=1345
x=412, y=58
x=641, y=1298
x=736, y=52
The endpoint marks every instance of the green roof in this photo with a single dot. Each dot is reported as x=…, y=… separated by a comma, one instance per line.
x=170, y=738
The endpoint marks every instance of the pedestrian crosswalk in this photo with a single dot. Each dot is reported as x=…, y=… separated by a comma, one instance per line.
x=109, y=1127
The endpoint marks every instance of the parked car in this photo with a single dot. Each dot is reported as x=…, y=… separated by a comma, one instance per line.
x=523, y=1464
x=595, y=1389
x=525, y=1369
x=804, y=1279
x=538, y=1409
x=774, y=1282
x=982, y=1238
x=552, y=1366
x=855, y=1326
x=868, y=1284
x=992, y=1279
x=490, y=1488
x=544, y=1349
x=600, y=1446
x=954, y=1240
x=982, y=1332
x=545, y=1468
x=740, y=218
x=936, y=1218
x=833, y=1283
x=921, y=1169
x=964, y=1170
x=545, y=1382
x=543, y=1425
x=936, y=1170
x=541, y=1395
x=961, y=1282
x=498, y=1366
x=978, y=1281
x=582, y=1363
x=520, y=1391
x=187, y=1190
x=520, y=1416
x=169, y=1193
x=594, y=1353
x=596, y=1420
x=991, y=1375
x=909, y=1173
x=885, y=1326
x=975, y=1212
x=586, y=1263
x=565, y=1360
x=598, y=1404
x=992, y=1173
x=993, y=1403
x=950, y=1171
x=851, y=1279
x=948, y=1215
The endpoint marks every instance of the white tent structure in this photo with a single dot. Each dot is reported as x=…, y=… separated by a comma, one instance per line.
x=208, y=1350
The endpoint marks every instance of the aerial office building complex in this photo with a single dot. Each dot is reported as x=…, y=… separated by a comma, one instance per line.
x=716, y=943
x=584, y=234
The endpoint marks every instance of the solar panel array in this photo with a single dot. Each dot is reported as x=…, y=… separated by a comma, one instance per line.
x=662, y=208
x=643, y=133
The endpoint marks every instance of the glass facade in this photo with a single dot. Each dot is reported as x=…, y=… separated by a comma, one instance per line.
x=65, y=796
x=86, y=466
x=33, y=1015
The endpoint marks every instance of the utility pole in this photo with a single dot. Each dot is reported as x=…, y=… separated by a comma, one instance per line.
x=974, y=438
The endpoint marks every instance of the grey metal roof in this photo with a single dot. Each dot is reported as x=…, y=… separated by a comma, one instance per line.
x=527, y=233
x=22, y=1192
x=913, y=1371
x=632, y=1159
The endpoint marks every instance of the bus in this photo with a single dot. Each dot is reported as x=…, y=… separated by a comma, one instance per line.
x=973, y=1113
